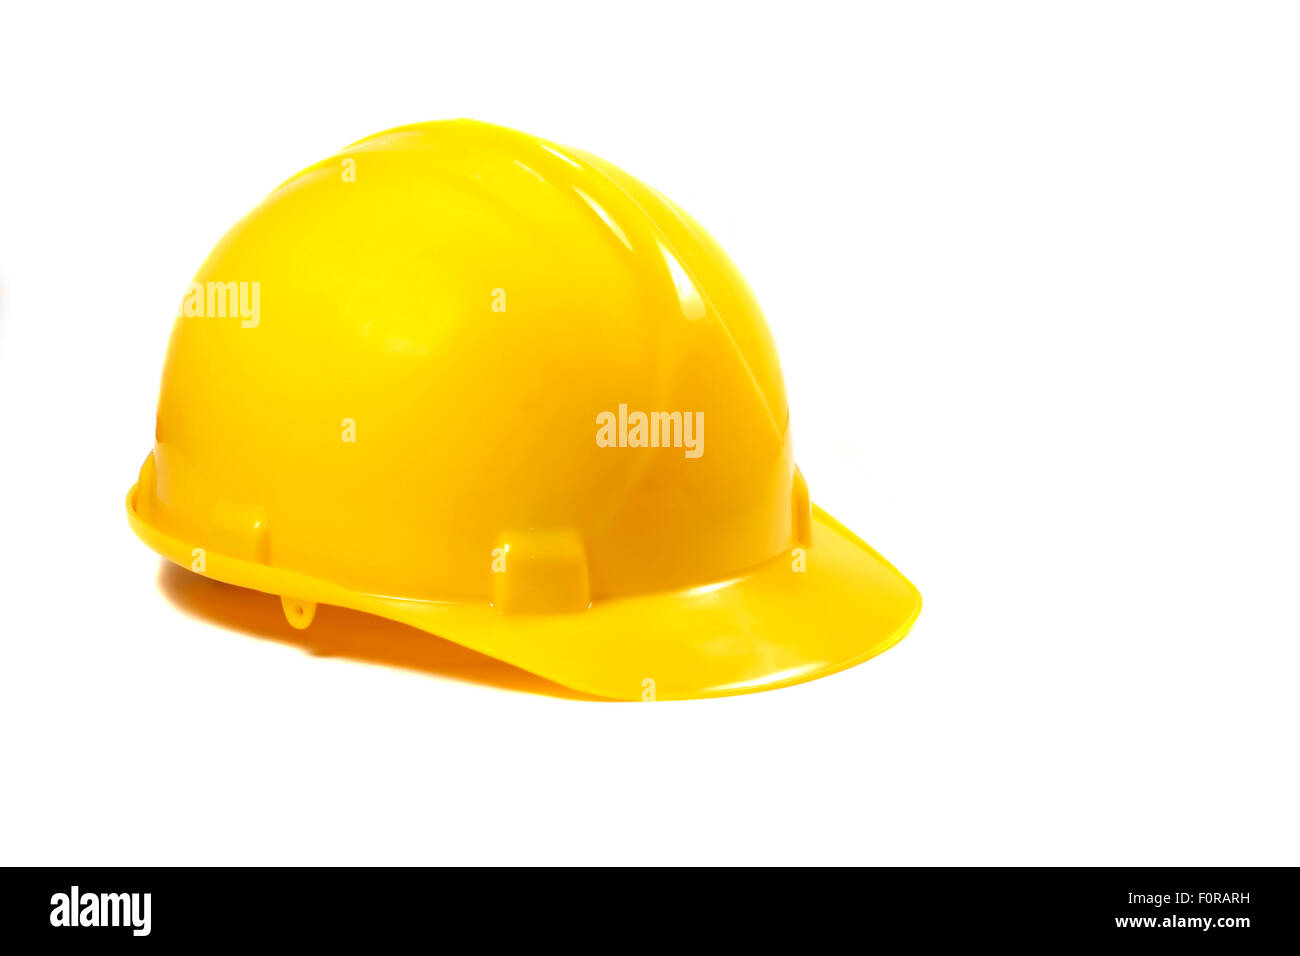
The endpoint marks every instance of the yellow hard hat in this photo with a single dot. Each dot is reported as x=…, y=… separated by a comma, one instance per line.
x=499, y=390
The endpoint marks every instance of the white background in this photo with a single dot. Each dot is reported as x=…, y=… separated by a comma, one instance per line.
x=1034, y=272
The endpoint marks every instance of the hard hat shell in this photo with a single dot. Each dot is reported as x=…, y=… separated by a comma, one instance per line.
x=499, y=390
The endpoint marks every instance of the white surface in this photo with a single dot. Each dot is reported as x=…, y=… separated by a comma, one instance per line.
x=1033, y=270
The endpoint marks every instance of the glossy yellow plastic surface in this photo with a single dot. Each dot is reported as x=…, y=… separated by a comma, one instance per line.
x=497, y=389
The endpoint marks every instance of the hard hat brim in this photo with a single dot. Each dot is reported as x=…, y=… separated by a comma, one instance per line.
x=792, y=619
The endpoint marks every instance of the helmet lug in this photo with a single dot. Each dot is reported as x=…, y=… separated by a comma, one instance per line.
x=297, y=612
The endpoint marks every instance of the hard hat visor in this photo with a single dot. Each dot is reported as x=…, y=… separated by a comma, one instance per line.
x=792, y=619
